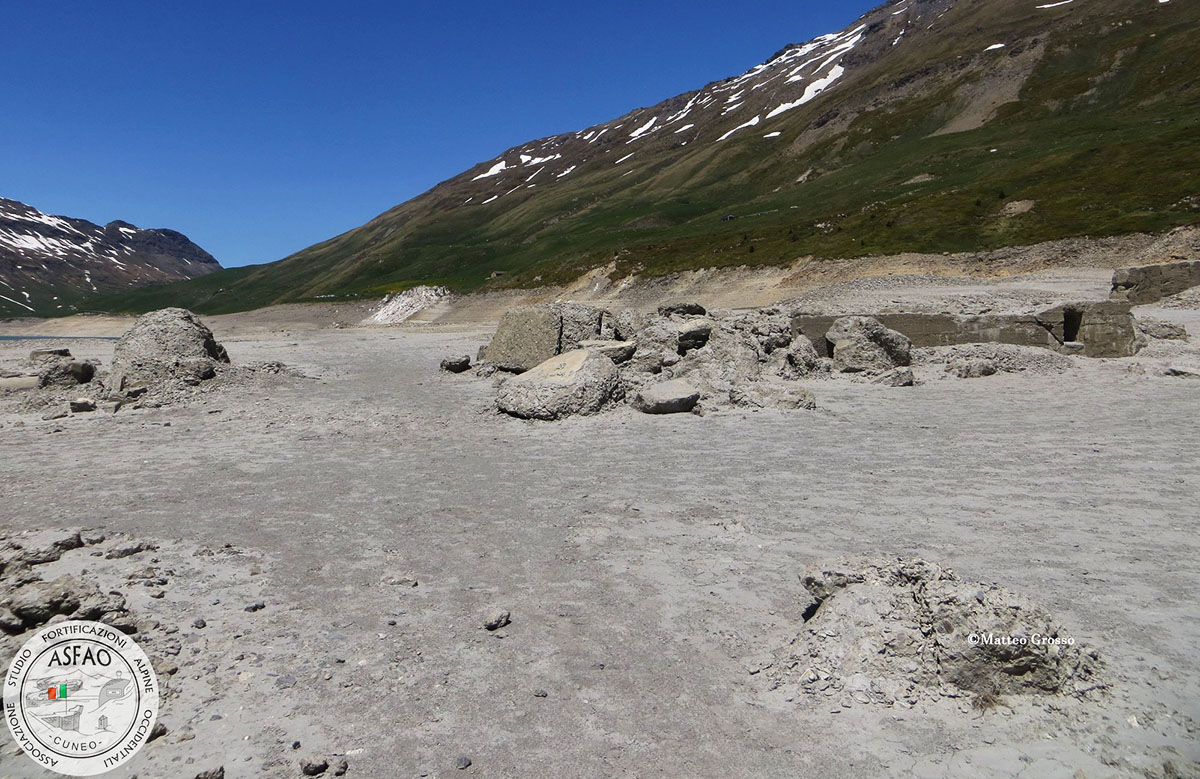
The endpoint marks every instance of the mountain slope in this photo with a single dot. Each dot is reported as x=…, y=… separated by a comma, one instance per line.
x=926, y=125
x=50, y=264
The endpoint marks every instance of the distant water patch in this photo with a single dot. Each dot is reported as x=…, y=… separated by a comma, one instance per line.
x=59, y=338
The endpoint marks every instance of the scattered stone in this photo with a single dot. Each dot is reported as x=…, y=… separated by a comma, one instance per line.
x=314, y=766
x=897, y=377
x=972, y=368
x=462, y=763
x=682, y=309
x=82, y=405
x=398, y=581
x=129, y=550
x=256, y=606
x=539, y=693
x=578, y=382
x=215, y=773
x=199, y=623
x=456, y=364
x=158, y=731
x=497, y=620
x=341, y=767
x=863, y=344
x=166, y=347
x=1182, y=371
x=669, y=397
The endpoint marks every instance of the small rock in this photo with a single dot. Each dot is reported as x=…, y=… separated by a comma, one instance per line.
x=498, y=620
x=256, y=606
x=82, y=405
x=314, y=766
x=215, y=773
x=399, y=581
x=669, y=397
x=158, y=731
x=341, y=768
x=540, y=694
x=898, y=377
x=462, y=763
x=128, y=550
x=456, y=364
x=199, y=624
x=41, y=354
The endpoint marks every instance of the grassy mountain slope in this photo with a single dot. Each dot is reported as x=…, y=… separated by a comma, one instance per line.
x=933, y=139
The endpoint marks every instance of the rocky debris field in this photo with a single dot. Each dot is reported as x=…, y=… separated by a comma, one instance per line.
x=551, y=361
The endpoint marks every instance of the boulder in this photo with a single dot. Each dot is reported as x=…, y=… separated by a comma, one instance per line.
x=862, y=343
x=801, y=359
x=617, y=351
x=529, y=335
x=65, y=372
x=456, y=364
x=578, y=382
x=170, y=346
x=82, y=405
x=1149, y=283
x=668, y=397
x=693, y=334
x=681, y=309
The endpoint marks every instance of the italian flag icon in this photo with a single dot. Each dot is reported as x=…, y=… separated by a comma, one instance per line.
x=57, y=693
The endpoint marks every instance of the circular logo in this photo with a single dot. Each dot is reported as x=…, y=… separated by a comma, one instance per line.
x=80, y=698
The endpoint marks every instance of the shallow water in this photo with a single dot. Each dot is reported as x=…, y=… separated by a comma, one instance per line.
x=58, y=338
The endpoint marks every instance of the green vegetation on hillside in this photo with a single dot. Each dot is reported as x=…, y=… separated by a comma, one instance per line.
x=1103, y=141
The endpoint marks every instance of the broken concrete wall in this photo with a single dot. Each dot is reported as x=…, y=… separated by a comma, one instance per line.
x=527, y=336
x=1102, y=328
x=1149, y=283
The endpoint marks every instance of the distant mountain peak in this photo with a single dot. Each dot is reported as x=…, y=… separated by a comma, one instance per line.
x=50, y=263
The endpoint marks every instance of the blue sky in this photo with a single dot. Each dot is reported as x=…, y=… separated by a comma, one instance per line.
x=261, y=128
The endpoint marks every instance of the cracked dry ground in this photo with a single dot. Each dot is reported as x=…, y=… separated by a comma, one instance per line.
x=649, y=564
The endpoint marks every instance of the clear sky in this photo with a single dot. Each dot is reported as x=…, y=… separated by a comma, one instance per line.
x=260, y=128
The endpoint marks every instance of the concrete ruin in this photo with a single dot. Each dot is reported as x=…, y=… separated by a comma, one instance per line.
x=1102, y=328
x=1142, y=284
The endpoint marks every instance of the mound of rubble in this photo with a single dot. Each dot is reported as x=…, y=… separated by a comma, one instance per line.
x=970, y=361
x=900, y=631
x=572, y=358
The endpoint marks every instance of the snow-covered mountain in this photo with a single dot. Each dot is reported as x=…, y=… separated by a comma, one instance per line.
x=48, y=264
x=923, y=125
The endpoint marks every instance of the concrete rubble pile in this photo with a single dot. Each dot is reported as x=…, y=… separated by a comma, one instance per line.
x=896, y=632
x=561, y=359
